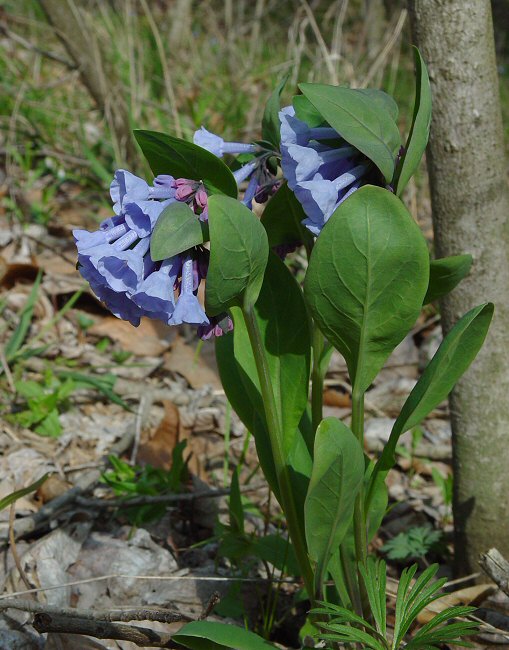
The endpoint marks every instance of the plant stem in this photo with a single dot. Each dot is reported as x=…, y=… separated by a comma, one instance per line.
x=275, y=427
x=359, y=518
x=317, y=377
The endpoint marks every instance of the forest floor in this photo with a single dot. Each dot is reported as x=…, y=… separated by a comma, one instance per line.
x=111, y=412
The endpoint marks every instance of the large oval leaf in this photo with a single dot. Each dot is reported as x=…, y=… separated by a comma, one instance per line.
x=360, y=121
x=445, y=274
x=337, y=475
x=182, y=159
x=238, y=255
x=419, y=131
x=453, y=357
x=209, y=635
x=366, y=279
x=177, y=229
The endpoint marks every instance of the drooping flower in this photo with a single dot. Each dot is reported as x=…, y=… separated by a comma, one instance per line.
x=116, y=261
x=321, y=168
x=216, y=145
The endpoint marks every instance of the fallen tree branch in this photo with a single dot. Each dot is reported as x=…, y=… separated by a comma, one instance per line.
x=125, y=615
x=497, y=567
x=141, y=636
x=88, y=502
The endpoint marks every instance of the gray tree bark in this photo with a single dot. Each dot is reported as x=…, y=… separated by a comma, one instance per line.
x=470, y=204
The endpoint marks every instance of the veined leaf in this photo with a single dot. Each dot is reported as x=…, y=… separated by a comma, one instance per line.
x=209, y=635
x=366, y=280
x=445, y=274
x=419, y=131
x=182, y=159
x=337, y=475
x=177, y=229
x=238, y=255
x=360, y=121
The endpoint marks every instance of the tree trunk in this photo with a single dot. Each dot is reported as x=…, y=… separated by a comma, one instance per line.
x=470, y=204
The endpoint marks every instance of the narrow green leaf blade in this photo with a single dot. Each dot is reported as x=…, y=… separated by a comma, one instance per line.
x=419, y=131
x=453, y=357
x=360, y=121
x=18, y=336
x=366, y=279
x=182, y=159
x=445, y=274
x=337, y=475
x=238, y=255
x=178, y=229
x=283, y=218
x=209, y=635
x=14, y=496
x=270, y=121
x=235, y=507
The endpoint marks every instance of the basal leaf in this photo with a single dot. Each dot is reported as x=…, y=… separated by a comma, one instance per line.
x=238, y=255
x=270, y=121
x=453, y=357
x=360, y=121
x=176, y=230
x=366, y=279
x=282, y=219
x=419, y=131
x=182, y=159
x=337, y=475
x=209, y=635
x=445, y=274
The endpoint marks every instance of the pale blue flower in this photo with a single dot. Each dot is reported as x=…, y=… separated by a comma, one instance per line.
x=216, y=145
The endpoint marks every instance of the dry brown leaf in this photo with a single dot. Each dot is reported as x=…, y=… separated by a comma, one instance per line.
x=156, y=449
x=467, y=596
x=150, y=339
x=333, y=397
x=181, y=359
x=54, y=486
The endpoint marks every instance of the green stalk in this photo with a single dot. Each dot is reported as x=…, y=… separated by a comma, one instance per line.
x=317, y=377
x=359, y=517
x=275, y=428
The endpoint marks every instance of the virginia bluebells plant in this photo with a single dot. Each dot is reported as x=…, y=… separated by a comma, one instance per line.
x=321, y=168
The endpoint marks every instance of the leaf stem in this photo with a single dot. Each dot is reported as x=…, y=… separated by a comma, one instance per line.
x=275, y=428
x=317, y=377
x=359, y=518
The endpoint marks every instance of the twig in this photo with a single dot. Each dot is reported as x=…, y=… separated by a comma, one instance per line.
x=34, y=48
x=7, y=370
x=140, y=636
x=173, y=578
x=213, y=600
x=160, y=498
x=497, y=567
x=124, y=614
x=14, y=550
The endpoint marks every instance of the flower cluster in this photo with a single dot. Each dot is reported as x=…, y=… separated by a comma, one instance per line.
x=321, y=168
x=116, y=258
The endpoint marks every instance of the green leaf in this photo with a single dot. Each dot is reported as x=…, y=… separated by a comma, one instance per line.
x=381, y=100
x=209, y=635
x=238, y=255
x=359, y=120
x=18, y=336
x=278, y=551
x=29, y=389
x=182, y=159
x=306, y=112
x=235, y=504
x=337, y=475
x=14, y=496
x=419, y=131
x=50, y=426
x=453, y=357
x=282, y=220
x=178, y=229
x=445, y=274
x=366, y=279
x=270, y=121
x=284, y=326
